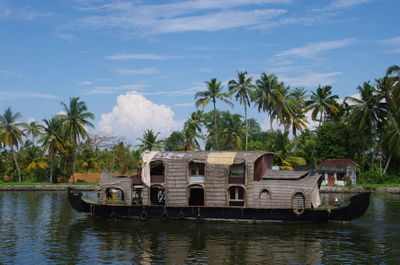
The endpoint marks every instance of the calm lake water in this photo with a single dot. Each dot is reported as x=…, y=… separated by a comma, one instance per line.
x=42, y=228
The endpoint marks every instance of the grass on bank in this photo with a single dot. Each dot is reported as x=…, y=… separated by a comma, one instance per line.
x=13, y=183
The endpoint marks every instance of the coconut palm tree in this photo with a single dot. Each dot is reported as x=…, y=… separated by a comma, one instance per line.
x=284, y=152
x=389, y=88
x=149, y=141
x=367, y=113
x=196, y=121
x=299, y=119
x=11, y=133
x=243, y=90
x=33, y=128
x=51, y=140
x=233, y=132
x=190, y=136
x=263, y=95
x=322, y=102
x=212, y=93
x=75, y=122
x=284, y=105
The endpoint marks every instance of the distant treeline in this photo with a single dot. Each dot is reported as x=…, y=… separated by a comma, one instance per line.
x=365, y=128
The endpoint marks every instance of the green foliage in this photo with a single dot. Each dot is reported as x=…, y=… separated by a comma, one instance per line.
x=375, y=177
x=174, y=142
x=333, y=141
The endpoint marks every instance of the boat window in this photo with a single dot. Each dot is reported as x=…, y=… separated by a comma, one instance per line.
x=114, y=195
x=157, y=172
x=265, y=195
x=196, y=172
x=137, y=198
x=236, y=196
x=298, y=201
x=196, y=196
x=237, y=174
x=157, y=195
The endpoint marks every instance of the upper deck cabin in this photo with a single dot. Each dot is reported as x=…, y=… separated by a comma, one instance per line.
x=213, y=179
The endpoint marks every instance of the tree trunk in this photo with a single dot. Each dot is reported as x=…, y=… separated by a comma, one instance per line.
x=73, y=166
x=51, y=170
x=270, y=122
x=215, y=126
x=16, y=164
x=245, y=118
x=387, y=163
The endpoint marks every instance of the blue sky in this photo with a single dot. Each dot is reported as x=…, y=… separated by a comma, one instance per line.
x=138, y=64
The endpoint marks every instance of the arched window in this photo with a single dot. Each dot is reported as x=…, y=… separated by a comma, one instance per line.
x=236, y=196
x=298, y=201
x=196, y=195
x=265, y=195
x=157, y=195
x=114, y=195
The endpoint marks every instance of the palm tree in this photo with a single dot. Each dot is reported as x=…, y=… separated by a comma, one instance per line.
x=322, y=103
x=33, y=128
x=243, y=90
x=51, y=140
x=149, y=141
x=11, y=133
x=284, y=105
x=263, y=96
x=196, y=121
x=284, y=152
x=190, y=136
x=299, y=119
x=212, y=93
x=233, y=132
x=75, y=122
x=389, y=88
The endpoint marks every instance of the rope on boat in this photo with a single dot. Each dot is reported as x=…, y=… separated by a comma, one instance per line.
x=298, y=211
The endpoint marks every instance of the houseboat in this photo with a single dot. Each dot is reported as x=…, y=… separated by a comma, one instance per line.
x=215, y=186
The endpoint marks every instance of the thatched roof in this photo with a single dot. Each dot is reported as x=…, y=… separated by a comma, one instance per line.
x=215, y=157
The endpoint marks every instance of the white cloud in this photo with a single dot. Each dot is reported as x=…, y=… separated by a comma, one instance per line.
x=144, y=56
x=310, y=79
x=313, y=49
x=84, y=83
x=7, y=11
x=180, y=16
x=11, y=73
x=67, y=37
x=7, y=95
x=136, y=71
x=393, y=41
x=340, y=4
x=184, y=105
x=216, y=21
x=133, y=114
x=115, y=89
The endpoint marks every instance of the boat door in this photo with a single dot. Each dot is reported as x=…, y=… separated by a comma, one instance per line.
x=331, y=179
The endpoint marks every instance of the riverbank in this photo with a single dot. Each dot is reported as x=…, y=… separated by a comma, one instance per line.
x=58, y=187
x=62, y=187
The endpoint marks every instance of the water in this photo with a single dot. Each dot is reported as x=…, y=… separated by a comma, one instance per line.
x=42, y=228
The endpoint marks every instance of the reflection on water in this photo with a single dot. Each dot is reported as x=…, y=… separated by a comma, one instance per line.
x=41, y=227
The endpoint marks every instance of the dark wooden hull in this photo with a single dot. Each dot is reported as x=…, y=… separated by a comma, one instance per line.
x=356, y=208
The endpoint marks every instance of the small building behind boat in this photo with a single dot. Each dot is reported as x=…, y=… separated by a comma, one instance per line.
x=212, y=179
x=338, y=172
